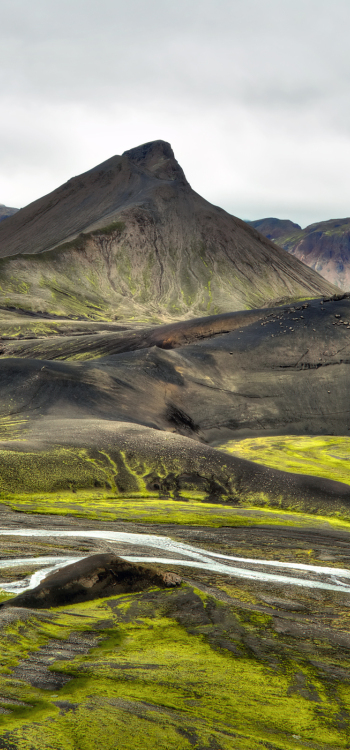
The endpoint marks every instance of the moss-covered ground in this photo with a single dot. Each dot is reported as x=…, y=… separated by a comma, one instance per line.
x=190, y=511
x=213, y=667
x=322, y=456
x=175, y=670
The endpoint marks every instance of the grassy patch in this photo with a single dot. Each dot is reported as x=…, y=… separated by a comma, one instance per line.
x=322, y=456
x=150, y=509
x=156, y=680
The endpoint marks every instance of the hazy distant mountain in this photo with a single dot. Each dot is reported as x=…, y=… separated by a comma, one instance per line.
x=324, y=246
x=274, y=228
x=130, y=239
x=6, y=211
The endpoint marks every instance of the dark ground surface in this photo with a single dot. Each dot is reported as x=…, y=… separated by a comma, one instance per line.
x=147, y=413
x=274, y=371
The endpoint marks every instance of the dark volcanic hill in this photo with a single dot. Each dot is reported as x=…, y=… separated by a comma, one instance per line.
x=6, y=212
x=324, y=246
x=130, y=239
x=140, y=408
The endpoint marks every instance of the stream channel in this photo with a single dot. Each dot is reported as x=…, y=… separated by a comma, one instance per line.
x=174, y=553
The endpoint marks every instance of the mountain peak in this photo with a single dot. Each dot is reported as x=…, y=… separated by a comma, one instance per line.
x=152, y=148
x=158, y=158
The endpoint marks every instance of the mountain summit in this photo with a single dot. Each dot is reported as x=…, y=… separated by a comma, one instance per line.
x=130, y=239
x=158, y=158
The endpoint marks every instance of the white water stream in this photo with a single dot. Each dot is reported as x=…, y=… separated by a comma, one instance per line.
x=313, y=576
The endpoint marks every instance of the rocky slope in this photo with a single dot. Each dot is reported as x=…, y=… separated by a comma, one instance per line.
x=324, y=246
x=130, y=239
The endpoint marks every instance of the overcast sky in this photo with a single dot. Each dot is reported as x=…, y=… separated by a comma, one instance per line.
x=253, y=95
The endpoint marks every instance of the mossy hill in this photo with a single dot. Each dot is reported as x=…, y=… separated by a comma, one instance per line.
x=323, y=246
x=130, y=239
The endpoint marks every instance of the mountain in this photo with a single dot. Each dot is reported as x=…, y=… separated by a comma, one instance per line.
x=273, y=229
x=130, y=240
x=6, y=211
x=324, y=246
x=112, y=442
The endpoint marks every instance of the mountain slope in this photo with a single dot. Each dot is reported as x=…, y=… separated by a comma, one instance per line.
x=130, y=239
x=324, y=246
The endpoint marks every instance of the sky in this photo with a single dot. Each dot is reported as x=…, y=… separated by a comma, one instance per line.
x=253, y=96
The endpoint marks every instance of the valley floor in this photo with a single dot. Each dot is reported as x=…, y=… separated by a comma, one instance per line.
x=222, y=663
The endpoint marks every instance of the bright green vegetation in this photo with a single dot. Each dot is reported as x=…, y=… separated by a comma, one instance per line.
x=4, y=595
x=159, y=673
x=114, y=484
x=97, y=504
x=321, y=456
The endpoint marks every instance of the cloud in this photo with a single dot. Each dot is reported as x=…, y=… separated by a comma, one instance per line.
x=253, y=97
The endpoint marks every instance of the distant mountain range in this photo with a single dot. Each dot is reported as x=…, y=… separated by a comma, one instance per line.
x=324, y=246
x=6, y=211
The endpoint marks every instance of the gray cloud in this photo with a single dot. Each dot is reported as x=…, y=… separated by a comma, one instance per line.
x=253, y=96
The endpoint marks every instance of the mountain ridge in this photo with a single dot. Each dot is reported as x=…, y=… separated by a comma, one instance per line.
x=323, y=246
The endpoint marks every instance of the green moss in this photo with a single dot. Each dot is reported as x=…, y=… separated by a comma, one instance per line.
x=169, y=684
x=99, y=504
x=321, y=456
x=4, y=595
x=116, y=484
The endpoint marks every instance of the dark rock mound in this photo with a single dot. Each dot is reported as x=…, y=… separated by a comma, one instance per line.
x=92, y=578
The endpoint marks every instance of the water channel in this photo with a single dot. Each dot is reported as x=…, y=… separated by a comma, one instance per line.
x=175, y=553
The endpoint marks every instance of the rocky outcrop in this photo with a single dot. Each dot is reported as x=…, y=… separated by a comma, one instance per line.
x=92, y=578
